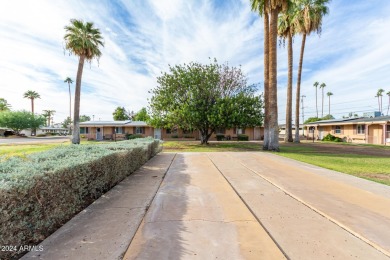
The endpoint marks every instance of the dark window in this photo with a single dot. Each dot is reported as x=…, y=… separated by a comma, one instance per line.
x=140, y=130
x=119, y=130
x=168, y=131
x=185, y=131
x=361, y=129
x=338, y=129
x=220, y=131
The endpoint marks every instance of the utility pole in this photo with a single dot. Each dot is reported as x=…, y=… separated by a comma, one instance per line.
x=303, y=117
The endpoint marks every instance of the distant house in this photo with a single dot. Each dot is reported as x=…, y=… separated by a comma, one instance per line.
x=369, y=130
x=282, y=129
x=46, y=130
x=110, y=130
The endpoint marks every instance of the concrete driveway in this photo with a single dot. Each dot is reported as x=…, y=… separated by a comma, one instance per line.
x=242, y=205
x=32, y=140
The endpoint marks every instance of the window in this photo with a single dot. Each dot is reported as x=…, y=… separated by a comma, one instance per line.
x=220, y=131
x=84, y=130
x=168, y=131
x=185, y=131
x=140, y=130
x=119, y=130
x=338, y=130
x=361, y=129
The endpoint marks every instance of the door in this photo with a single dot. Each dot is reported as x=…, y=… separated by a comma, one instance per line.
x=320, y=132
x=257, y=133
x=99, y=133
x=157, y=133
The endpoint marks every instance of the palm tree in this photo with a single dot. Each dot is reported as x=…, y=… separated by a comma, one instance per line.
x=286, y=30
x=388, y=106
x=329, y=94
x=379, y=95
x=308, y=20
x=270, y=9
x=82, y=40
x=323, y=85
x=316, y=86
x=69, y=81
x=48, y=115
x=4, y=106
x=31, y=95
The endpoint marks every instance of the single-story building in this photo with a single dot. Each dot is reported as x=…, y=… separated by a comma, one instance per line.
x=110, y=130
x=46, y=130
x=375, y=130
x=282, y=129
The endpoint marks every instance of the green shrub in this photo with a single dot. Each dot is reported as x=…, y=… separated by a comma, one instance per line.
x=242, y=137
x=220, y=137
x=41, y=135
x=329, y=137
x=188, y=136
x=133, y=136
x=174, y=136
x=42, y=191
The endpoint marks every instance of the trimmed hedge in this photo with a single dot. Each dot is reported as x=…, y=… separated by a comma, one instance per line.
x=41, y=192
x=242, y=137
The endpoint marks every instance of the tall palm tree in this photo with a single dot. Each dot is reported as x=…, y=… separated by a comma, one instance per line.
x=379, y=95
x=286, y=31
x=388, y=106
x=4, y=106
x=270, y=9
x=82, y=40
x=316, y=86
x=30, y=94
x=69, y=81
x=329, y=94
x=48, y=115
x=323, y=85
x=308, y=20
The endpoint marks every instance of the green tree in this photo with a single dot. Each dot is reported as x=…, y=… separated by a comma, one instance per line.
x=82, y=40
x=20, y=120
x=204, y=97
x=329, y=94
x=316, y=84
x=4, y=106
x=85, y=118
x=315, y=119
x=120, y=114
x=307, y=20
x=286, y=31
x=270, y=10
x=67, y=122
x=69, y=81
x=142, y=115
x=30, y=94
x=48, y=114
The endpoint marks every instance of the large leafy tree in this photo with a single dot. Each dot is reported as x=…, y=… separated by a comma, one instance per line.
x=69, y=81
x=32, y=95
x=308, y=19
x=83, y=40
x=142, y=115
x=205, y=97
x=20, y=120
x=4, y=106
x=85, y=118
x=286, y=31
x=120, y=114
x=270, y=10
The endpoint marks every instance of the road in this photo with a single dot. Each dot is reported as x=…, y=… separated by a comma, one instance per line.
x=31, y=140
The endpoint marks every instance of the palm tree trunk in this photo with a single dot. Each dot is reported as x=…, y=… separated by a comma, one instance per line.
x=316, y=102
x=329, y=105
x=298, y=94
x=76, y=115
x=388, y=106
x=32, y=106
x=273, y=138
x=70, y=103
x=266, y=79
x=288, y=135
x=322, y=110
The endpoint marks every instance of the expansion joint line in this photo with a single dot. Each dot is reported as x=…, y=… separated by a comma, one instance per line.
x=323, y=214
x=250, y=209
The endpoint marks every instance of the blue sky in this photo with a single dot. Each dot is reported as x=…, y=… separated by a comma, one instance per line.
x=352, y=55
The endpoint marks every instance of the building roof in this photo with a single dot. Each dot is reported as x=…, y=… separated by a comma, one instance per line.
x=113, y=123
x=350, y=121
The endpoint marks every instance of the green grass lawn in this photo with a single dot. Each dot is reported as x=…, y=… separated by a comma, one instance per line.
x=375, y=168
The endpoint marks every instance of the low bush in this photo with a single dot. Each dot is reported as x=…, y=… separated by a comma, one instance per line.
x=42, y=191
x=220, y=137
x=41, y=135
x=188, y=136
x=332, y=138
x=133, y=136
x=242, y=137
x=174, y=136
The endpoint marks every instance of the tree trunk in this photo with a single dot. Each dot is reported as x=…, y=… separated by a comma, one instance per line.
x=388, y=106
x=316, y=102
x=298, y=94
x=33, y=131
x=266, y=80
x=329, y=105
x=70, y=108
x=205, y=136
x=273, y=138
x=322, y=110
x=288, y=135
x=76, y=115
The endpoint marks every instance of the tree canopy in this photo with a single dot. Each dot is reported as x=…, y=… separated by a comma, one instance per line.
x=120, y=114
x=4, y=106
x=20, y=120
x=142, y=115
x=205, y=97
